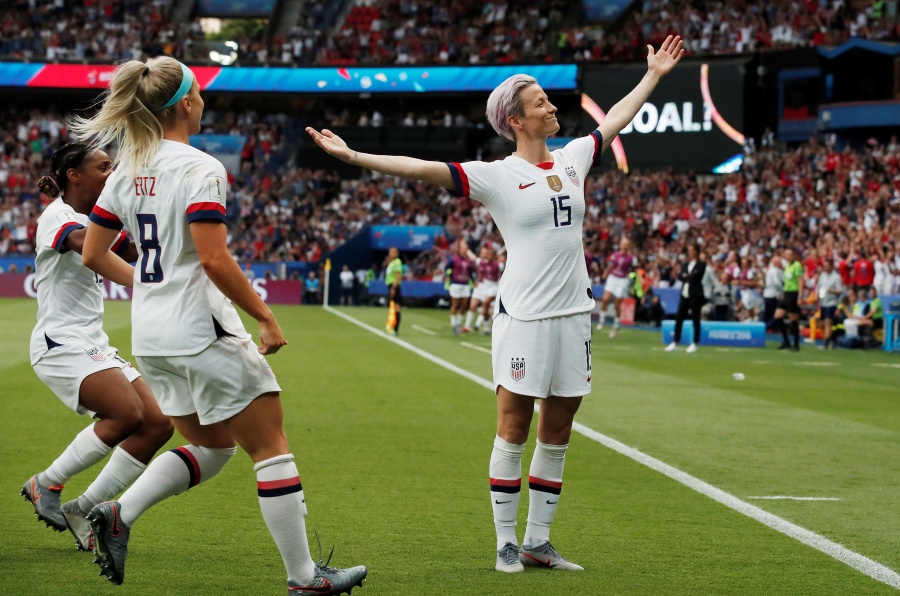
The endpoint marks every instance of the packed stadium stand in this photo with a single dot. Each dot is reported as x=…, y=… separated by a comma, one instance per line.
x=380, y=32
x=834, y=196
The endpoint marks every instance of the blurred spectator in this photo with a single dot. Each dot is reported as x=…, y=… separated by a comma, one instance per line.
x=311, y=289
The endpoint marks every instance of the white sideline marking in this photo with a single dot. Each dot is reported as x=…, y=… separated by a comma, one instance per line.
x=818, y=363
x=474, y=347
x=850, y=558
x=787, y=498
x=886, y=364
x=423, y=329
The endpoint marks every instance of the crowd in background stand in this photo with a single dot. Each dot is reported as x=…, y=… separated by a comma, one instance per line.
x=829, y=203
x=393, y=32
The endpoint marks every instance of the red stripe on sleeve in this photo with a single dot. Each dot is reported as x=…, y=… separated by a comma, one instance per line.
x=500, y=482
x=101, y=212
x=543, y=482
x=62, y=230
x=270, y=484
x=209, y=206
x=463, y=178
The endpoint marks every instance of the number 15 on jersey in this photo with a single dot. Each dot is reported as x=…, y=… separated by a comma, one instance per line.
x=562, y=213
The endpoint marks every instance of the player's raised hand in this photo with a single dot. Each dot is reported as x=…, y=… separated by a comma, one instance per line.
x=331, y=143
x=271, y=338
x=670, y=52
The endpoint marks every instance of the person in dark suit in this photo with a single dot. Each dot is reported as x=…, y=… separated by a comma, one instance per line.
x=693, y=296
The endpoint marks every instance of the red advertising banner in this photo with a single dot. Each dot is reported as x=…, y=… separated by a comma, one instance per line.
x=89, y=76
x=626, y=311
x=272, y=291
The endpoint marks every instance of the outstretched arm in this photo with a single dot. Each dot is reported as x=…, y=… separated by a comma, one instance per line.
x=434, y=172
x=659, y=64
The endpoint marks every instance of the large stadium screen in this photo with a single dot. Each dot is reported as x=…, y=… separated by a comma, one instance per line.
x=693, y=120
x=235, y=8
x=604, y=10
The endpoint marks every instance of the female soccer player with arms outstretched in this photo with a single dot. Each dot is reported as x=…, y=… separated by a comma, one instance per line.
x=542, y=329
x=190, y=344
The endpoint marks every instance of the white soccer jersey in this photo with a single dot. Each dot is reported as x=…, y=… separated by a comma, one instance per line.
x=176, y=309
x=539, y=210
x=70, y=298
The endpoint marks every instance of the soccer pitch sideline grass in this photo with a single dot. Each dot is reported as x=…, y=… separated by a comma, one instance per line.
x=393, y=451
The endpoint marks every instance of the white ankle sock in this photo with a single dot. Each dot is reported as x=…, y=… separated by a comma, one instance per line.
x=283, y=508
x=468, y=319
x=170, y=474
x=479, y=321
x=120, y=471
x=83, y=452
x=545, y=485
x=506, y=487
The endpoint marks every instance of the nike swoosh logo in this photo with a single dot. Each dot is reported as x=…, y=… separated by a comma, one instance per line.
x=552, y=502
x=538, y=561
x=115, y=530
x=501, y=502
x=524, y=186
x=325, y=588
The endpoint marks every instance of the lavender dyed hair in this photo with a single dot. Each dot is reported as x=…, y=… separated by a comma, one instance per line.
x=506, y=101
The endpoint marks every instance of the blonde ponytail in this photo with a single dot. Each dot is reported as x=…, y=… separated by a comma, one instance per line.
x=129, y=115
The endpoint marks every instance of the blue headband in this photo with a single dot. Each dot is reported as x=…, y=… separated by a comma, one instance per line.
x=187, y=80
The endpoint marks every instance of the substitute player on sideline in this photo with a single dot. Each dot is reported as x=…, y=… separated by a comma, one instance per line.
x=71, y=354
x=458, y=281
x=489, y=269
x=618, y=283
x=542, y=332
x=188, y=338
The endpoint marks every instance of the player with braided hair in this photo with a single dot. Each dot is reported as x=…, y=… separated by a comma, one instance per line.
x=71, y=353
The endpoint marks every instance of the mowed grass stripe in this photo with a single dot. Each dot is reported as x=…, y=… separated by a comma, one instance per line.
x=855, y=560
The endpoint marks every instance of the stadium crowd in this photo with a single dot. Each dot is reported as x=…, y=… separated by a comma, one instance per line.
x=732, y=27
x=389, y=32
x=832, y=204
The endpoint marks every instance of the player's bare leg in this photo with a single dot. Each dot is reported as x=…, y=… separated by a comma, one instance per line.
x=470, y=313
x=604, y=304
x=617, y=305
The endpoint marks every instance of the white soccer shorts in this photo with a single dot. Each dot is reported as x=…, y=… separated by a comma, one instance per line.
x=460, y=291
x=485, y=290
x=65, y=367
x=216, y=384
x=619, y=287
x=544, y=357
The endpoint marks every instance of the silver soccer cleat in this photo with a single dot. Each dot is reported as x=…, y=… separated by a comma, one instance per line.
x=544, y=555
x=110, y=540
x=508, y=559
x=45, y=500
x=78, y=525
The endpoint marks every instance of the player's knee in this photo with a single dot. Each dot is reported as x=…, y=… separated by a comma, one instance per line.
x=159, y=427
x=129, y=419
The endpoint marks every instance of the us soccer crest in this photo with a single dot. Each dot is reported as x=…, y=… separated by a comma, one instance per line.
x=573, y=176
x=95, y=354
x=555, y=183
x=517, y=369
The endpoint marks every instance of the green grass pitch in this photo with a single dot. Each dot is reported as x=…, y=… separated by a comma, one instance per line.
x=393, y=451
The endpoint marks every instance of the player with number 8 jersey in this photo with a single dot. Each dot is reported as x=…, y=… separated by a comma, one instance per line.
x=180, y=186
x=210, y=377
x=541, y=344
